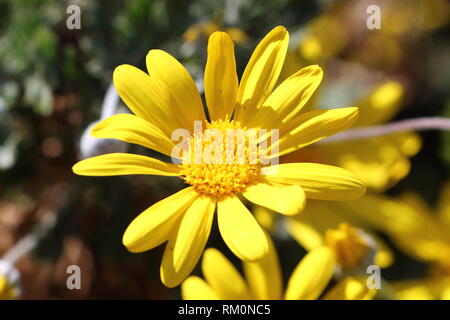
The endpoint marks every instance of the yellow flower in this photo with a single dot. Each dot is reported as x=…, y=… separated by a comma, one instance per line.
x=263, y=279
x=7, y=291
x=325, y=37
x=348, y=244
x=430, y=288
x=380, y=161
x=407, y=220
x=328, y=223
x=410, y=223
x=167, y=100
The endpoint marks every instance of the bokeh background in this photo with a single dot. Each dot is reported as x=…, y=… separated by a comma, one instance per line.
x=54, y=81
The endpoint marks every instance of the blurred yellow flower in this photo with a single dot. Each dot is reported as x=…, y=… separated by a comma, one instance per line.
x=203, y=29
x=10, y=284
x=7, y=290
x=325, y=37
x=380, y=161
x=348, y=244
x=423, y=289
x=327, y=223
x=168, y=100
x=410, y=224
x=263, y=279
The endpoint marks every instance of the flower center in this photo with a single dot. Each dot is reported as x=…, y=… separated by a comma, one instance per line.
x=350, y=248
x=221, y=160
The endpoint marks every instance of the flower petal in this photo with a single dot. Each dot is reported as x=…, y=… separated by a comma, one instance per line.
x=264, y=277
x=143, y=97
x=261, y=73
x=288, y=200
x=311, y=275
x=195, y=288
x=319, y=181
x=177, y=86
x=381, y=104
x=351, y=288
x=434, y=288
x=309, y=227
x=153, y=226
x=223, y=276
x=132, y=129
x=288, y=99
x=240, y=230
x=221, y=81
x=312, y=126
x=117, y=164
x=186, y=246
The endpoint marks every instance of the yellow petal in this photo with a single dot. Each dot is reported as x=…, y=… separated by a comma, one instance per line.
x=319, y=181
x=312, y=275
x=381, y=104
x=351, y=288
x=264, y=277
x=223, y=276
x=178, y=87
x=384, y=257
x=143, y=97
x=444, y=204
x=221, y=82
x=305, y=234
x=186, y=245
x=288, y=99
x=154, y=226
x=240, y=231
x=116, y=164
x=408, y=220
x=423, y=289
x=261, y=73
x=195, y=288
x=309, y=227
x=312, y=126
x=265, y=218
x=132, y=129
x=288, y=200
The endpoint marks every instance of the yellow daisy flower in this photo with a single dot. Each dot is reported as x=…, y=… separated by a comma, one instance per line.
x=263, y=280
x=166, y=100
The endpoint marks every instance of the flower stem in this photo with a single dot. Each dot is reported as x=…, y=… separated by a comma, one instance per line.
x=417, y=124
x=29, y=242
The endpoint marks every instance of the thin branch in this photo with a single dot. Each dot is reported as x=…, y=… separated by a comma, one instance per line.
x=29, y=242
x=417, y=124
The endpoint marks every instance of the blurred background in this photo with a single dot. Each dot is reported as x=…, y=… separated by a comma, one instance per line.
x=54, y=83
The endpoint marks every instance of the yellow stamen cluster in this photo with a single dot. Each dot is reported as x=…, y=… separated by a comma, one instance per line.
x=350, y=248
x=222, y=164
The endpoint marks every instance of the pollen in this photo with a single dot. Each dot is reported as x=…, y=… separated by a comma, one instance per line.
x=349, y=246
x=221, y=160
